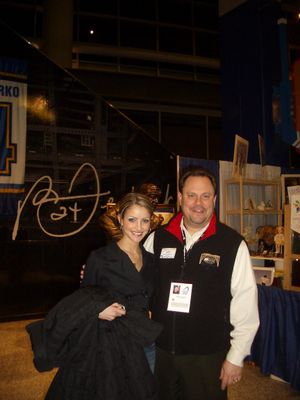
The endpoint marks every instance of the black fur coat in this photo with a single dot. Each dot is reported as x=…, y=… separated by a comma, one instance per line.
x=97, y=360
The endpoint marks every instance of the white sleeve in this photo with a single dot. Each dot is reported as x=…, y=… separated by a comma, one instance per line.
x=149, y=243
x=243, y=308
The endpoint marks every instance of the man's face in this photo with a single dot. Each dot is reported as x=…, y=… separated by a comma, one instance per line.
x=197, y=202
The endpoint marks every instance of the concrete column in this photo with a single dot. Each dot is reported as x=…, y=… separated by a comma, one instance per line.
x=58, y=31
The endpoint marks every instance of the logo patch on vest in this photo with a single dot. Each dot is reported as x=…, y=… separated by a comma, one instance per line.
x=209, y=259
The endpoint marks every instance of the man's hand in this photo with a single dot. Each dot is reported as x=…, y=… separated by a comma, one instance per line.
x=230, y=374
x=113, y=311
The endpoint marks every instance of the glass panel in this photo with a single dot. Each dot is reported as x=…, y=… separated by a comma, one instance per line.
x=69, y=129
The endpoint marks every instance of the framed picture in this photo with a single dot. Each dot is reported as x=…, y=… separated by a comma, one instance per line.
x=262, y=150
x=240, y=156
x=290, y=184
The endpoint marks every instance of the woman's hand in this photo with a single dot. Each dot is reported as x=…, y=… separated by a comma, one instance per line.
x=113, y=311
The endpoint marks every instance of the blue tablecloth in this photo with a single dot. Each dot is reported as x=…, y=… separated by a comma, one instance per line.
x=276, y=347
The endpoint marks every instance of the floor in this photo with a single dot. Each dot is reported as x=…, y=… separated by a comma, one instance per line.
x=256, y=386
x=20, y=381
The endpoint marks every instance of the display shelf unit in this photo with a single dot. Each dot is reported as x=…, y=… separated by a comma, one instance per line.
x=291, y=254
x=243, y=198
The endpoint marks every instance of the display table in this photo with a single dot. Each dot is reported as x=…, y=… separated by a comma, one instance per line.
x=276, y=347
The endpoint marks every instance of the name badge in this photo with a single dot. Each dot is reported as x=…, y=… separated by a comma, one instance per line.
x=168, y=252
x=180, y=297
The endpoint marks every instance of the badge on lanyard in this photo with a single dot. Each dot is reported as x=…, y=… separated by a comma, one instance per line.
x=180, y=297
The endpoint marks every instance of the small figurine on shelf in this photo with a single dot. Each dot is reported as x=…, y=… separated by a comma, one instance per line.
x=279, y=240
x=265, y=239
x=249, y=238
x=247, y=233
x=269, y=205
x=250, y=204
x=261, y=206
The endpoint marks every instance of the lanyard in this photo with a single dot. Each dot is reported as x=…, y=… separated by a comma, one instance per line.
x=185, y=251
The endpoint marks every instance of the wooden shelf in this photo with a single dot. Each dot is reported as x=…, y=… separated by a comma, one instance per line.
x=254, y=212
x=239, y=191
x=247, y=181
x=267, y=258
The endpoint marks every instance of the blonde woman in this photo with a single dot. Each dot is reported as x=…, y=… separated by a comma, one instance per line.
x=101, y=336
x=125, y=266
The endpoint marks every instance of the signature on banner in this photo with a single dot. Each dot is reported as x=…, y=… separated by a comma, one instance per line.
x=48, y=195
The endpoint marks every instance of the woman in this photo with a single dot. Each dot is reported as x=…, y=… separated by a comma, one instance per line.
x=99, y=335
x=131, y=271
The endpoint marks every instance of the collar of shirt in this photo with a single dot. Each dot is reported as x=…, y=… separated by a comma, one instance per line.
x=190, y=240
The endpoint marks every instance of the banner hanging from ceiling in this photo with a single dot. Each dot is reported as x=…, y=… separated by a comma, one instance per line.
x=13, y=106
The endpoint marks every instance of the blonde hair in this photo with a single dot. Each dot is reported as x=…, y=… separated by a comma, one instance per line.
x=131, y=199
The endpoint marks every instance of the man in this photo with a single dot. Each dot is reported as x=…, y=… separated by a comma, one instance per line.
x=209, y=331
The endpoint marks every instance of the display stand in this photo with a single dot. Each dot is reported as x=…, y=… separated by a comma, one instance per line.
x=252, y=202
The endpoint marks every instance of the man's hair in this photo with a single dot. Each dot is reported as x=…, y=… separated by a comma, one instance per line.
x=197, y=171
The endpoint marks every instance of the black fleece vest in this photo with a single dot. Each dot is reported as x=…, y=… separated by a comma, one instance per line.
x=206, y=328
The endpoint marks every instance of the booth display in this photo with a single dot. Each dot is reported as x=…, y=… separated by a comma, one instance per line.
x=254, y=207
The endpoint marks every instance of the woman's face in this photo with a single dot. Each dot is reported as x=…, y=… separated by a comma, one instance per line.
x=135, y=223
